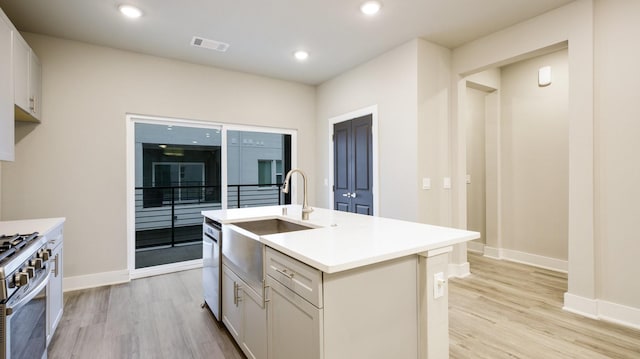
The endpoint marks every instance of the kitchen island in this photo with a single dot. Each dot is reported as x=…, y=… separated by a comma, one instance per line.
x=342, y=286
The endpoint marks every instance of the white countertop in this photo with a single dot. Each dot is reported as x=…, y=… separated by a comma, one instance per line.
x=25, y=226
x=343, y=240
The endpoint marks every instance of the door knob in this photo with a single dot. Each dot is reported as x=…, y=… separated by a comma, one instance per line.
x=353, y=195
x=346, y=194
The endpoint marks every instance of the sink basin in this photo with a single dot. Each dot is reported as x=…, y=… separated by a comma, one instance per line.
x=242, y=251
x=271, y=226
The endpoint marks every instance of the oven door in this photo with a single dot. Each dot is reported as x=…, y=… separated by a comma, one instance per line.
x=25, y=320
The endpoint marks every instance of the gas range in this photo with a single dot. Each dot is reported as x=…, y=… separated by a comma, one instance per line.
x=23, y=258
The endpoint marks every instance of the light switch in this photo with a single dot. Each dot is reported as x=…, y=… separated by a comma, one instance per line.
x=426, y=183
x=446, y=183
x=326, y=182
x=468, y=179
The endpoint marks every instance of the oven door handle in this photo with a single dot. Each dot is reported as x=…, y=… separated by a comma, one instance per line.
x=27, y=298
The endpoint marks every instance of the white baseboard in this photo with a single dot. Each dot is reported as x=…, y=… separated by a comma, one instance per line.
x=527, y=258
x=458, y=270
x=581, y=305
x=124, y=276
x=619, y=314
x=492, y=252
x=602, y=310
x=95, y=280
x=165, y=269
x=474, y=246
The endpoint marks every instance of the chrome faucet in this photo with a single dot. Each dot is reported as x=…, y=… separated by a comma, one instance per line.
x=285, y=189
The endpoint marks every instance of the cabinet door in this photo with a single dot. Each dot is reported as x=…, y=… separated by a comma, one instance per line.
x=35, y=85
x=231, y=303
x=7, y=131
x=295, y=325
x=21, y=72
x=55, y=296
x=254, y=343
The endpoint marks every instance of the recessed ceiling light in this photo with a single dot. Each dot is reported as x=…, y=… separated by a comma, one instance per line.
x=301, y=55
x=370, y=7
x=130, y=11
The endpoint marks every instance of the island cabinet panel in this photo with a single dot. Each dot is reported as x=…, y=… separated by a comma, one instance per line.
x=244, y=315
x=368, y=312
x=372, y=311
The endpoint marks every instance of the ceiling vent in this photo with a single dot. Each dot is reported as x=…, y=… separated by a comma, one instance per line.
x=209, y=44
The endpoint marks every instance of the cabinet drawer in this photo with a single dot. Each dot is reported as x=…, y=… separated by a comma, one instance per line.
x=304, y=280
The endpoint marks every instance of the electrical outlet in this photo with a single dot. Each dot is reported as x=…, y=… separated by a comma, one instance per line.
x=438, y=285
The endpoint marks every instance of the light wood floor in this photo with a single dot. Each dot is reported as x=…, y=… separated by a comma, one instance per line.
x=510, y=310
x=156, y=317
x=503, y=310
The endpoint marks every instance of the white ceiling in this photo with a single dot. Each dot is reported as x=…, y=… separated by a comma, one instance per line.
x=263, y=34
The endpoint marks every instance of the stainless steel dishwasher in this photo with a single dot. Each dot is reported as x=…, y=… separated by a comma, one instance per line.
x=212, y=265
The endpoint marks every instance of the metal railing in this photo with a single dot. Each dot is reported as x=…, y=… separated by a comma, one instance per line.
x=171, y=215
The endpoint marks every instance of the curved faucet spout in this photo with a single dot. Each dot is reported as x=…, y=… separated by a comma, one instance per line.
x=285, y=189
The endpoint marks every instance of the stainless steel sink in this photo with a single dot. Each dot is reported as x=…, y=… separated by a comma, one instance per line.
x=271, y=226
x=243, y=252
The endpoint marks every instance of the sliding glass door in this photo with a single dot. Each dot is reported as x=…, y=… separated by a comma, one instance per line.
x=177, y=175
x=179, y=168
x=256, y=165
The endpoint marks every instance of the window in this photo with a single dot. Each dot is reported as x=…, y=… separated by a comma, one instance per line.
x=180, y=174
x=264, y=173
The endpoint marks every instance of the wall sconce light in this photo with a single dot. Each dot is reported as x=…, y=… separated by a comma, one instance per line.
x=544, y=76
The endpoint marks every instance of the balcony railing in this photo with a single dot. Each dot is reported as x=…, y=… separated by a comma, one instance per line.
x=170, y=215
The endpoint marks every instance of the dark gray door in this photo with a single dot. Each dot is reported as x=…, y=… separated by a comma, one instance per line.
x=353, y=166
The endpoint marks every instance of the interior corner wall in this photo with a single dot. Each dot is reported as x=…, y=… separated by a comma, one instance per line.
x=434, y=97
x=572, y=23
x=73, y=164
x=618, y=174
x=476, y=162
x=535, y=157
x=390, y=82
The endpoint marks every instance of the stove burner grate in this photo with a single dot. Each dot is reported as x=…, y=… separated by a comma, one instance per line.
x=10, y=244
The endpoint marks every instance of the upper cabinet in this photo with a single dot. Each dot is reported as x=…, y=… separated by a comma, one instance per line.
x=26, y=80
x=6, y=91
x=20, y=85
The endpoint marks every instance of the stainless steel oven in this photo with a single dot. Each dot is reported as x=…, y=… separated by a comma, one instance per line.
x=25, y=318
x=24, y=275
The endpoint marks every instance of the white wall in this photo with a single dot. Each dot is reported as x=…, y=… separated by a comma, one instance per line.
x=389, y=81
x=617, y=111
x=410, y=86
x=73, y=164
x=603, y=196
x=476, y=163
x=434, y=100
x=535, y=157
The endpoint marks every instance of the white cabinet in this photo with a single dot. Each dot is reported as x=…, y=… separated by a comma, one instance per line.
x=35, y=85
x=295, y=325
x=27, y=80
x=55, y=303
x=244, y=315
x=231, y=309
x=294, y=308
x=7, y=131
x=369, y=312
